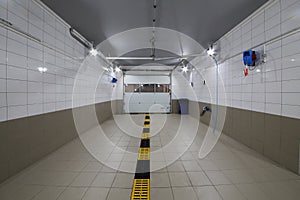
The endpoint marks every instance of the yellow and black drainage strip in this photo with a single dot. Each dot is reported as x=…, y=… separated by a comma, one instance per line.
x=141, y=184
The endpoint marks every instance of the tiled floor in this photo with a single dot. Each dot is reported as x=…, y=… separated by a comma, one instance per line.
x=230, y=172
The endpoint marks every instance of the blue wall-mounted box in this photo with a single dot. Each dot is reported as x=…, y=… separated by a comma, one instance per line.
x=249, y=58
x=114, y=80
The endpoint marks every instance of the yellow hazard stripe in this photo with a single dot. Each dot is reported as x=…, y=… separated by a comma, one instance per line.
x=147, y=126
x=145, y=136
x=144, y=154
x=141, y=189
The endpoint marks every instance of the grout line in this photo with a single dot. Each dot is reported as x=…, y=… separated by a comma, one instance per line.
x=6, y=35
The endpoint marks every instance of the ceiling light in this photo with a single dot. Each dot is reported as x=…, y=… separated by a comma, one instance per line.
x=42, y=69
x=185, y=69
x=293, y=60
x=117, y=69
x=93, y=52
x=211, y=51
x=105, y=68
x=258, y=70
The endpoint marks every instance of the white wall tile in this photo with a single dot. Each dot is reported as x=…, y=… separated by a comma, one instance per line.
x=49, y=78
x=290, y=12
x=291, y=99
x=287, y=3
x=258, y=107
x=258, y=30
x=49, y=107
x=274, y=98
x=273, y=76
x=16, y=73
x=291, y=49
x=49, y=19
x=258, y=20
x=15, y=112
x=17, y=9
x=291, y=86
x=3, y=42
x=49, y=98
x=35, y=31
x=36, y=10
x=273, y=32
x=16, y=37
x=2, y=57
x=36, y=21
x=16, y=60
x=16, y=86
x=35, y=75
x=3, y=114
x=3, y=3
x=291, y=61
x=291, y=111
x=258, y=98
x=17, y=21
x=291, y=73
x=272, y=22
x=2, y=85
x=35, y=53
x=35, y=109
x=274, y=109
x=3, y=71
x=35, y=87
x=273, y=10
x=34, y=64
x=16, y=99
x=3, y=101
x=35, y=98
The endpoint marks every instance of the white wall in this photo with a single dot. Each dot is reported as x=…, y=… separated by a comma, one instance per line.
x=181, y=87
x=23, y=90
x=276, y=89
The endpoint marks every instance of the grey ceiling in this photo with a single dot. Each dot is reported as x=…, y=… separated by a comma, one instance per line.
x=203, y=20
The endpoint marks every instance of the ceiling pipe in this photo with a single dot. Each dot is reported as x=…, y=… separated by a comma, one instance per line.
x=77, y=36
x=11, y=27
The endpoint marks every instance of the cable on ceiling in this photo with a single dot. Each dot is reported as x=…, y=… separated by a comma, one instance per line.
x=152, y=40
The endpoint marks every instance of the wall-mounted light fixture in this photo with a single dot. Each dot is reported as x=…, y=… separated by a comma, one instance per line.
x=185, y=69
x=117, y=69
x=42, y=69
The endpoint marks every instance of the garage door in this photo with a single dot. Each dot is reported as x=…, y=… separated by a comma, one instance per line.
x=144, y=94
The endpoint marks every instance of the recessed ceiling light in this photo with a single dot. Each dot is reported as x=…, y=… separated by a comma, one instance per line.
x=93, y=52
x=117, y=69
x=293, y=60
x=258, y=70
x=184, y=69
x=210, y=51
